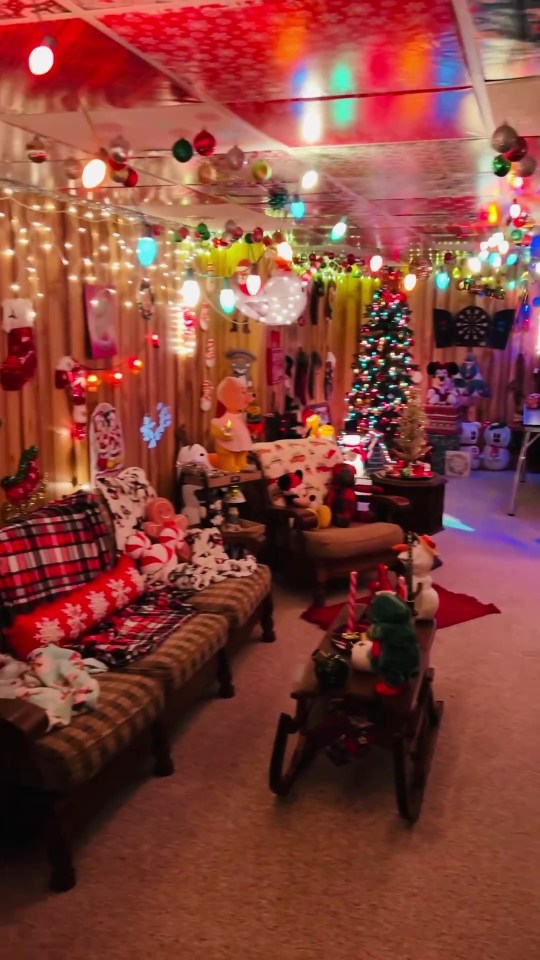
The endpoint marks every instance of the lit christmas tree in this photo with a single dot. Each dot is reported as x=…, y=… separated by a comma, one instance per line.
x=382, y=371
x=411, y=442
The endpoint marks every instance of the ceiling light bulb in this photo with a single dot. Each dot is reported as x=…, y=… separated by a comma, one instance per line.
x=493, y=214
x=310, y=179
x=442, y=279
x=284, y=250
x=474, y=264
x=375, y=263
x=94, y=173
x=504, y=247
x=298, y=208
x=515, y=210
x=253, y=284
x=41, y=58
x=409, y=282
x=227, y=300
x=191, y=291
x=146, y=251
x=339, y=230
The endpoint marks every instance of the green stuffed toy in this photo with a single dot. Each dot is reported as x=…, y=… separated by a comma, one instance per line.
x=395, y=655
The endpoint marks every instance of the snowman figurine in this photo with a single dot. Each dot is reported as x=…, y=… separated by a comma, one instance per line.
x=469, y=440
x=495, y=455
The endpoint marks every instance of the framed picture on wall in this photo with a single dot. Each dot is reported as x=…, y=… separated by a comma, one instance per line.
x=101, y=313
x=321, y=409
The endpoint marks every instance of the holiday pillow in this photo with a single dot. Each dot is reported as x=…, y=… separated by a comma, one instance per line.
x=64, y=620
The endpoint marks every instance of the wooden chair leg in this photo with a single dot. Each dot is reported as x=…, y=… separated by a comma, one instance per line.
x=224, y=675
x=267, y=620
x=164, y=765
x=59, y=849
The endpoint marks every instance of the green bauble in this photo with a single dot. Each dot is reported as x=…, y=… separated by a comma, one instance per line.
x=203, y=231
x=182, y=150
x=501, y=166
x=248, y=238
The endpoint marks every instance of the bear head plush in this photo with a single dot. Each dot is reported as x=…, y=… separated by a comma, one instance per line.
x=443, y=389
x=341, y=497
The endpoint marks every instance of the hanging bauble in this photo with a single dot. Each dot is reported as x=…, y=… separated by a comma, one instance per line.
x=248, y=238
x=120, y=176
x=500, y=165
x=235, y=158
x=202, y=231
x=182, y=150
x=237, y=233
x=278, y=237
x=504, y=138
x=516, y=235
x=448, y=257
x=258, y=234
x=132, y=178
x=35, y=150
x=156, y=229
x=261, y=171
x=518, y=151
x=230, y=225
x=267, y=240
x=119, y=151
x=526, y=166
x=204, y=143
x=72, y=168
x=278, y=197
x=207, y=172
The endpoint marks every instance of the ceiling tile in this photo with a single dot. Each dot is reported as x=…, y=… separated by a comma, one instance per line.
x=508, y=33
x=17, y=9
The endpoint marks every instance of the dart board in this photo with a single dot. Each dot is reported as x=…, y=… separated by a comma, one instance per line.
x=472, y=326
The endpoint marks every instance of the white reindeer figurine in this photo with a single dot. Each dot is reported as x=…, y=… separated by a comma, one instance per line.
x=423, y=557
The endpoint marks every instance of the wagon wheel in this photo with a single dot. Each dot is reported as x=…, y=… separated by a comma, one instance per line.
x=284, y=770
x=413, y=753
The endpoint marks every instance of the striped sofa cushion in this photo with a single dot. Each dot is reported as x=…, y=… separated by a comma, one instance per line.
x=127, y=705
x=184, y=652
x=235, y=599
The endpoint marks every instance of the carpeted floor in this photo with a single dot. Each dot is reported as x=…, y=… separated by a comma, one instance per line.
x=207, y=865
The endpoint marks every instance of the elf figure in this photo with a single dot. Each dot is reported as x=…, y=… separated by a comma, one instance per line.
x=20, y=364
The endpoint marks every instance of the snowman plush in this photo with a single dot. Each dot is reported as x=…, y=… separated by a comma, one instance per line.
x=469, y=440
x=495, y=455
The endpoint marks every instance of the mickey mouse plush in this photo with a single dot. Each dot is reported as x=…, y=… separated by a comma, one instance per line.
x=292, y=488
x=443, y=389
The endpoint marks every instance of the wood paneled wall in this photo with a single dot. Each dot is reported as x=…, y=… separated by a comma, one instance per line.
x=55, y=252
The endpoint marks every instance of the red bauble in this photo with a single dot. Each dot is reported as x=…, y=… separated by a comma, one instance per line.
x=267, y=240
x=258, y=235
x=204, y=143
x=313, y=258
x=518, y=151
x=132, y=178
x=448, y=257
x=238, y=233
x=183, y=232
x=157, y=230
x=520, y=221
x=115, y=165
x=351, y=259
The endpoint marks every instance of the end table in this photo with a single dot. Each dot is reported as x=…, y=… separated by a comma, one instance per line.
x=425, y=496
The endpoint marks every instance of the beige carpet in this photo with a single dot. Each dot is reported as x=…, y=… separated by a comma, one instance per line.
x=207, y=864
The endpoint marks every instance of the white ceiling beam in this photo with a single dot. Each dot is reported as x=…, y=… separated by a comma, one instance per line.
x=473, y=62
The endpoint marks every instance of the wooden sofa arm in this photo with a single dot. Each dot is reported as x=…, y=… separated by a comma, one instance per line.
x=20, y=718
x=303, y=519
x=391, y=509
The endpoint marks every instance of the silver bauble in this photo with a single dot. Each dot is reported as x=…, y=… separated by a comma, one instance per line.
x=526, y=166
x=235, y=158
x=504, y=138
x=119, y=150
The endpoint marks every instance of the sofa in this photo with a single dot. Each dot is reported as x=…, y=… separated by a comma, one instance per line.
x=67, y=771
x=298, y=546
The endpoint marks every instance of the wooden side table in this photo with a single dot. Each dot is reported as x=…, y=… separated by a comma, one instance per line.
x=426, y=499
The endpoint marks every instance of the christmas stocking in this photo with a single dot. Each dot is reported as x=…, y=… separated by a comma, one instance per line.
x=301, y=376
x=20, y=364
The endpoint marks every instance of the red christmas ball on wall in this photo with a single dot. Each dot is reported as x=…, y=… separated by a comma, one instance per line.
x=204, y=143
x=258, y=234
x=132, y=178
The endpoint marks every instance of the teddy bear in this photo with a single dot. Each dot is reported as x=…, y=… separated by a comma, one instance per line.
x=192, y=455
x=443, y=389
x=230, y=431
x=341, y=497
x=495, y=455
x=394, y=653
x=469, y=440
x=159, y=514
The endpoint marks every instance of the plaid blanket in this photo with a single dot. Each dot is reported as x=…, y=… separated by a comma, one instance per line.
x=137, y=629
x=51, y=552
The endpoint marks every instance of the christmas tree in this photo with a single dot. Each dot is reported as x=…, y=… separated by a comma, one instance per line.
x=382, y=370
x=411, y=443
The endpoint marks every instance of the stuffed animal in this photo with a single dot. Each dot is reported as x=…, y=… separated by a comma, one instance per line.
x=443, y=389
x=469, y=440
x=394, y=655
x=341, y=497
x=193, y=455
x=160, y=515
x=495, y=455
x=298, y=493
x=469, y=380
x=156, y=561
x=230, y=431
x=422, y=557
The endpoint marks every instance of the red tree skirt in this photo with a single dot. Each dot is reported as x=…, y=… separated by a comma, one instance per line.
x=453, y=608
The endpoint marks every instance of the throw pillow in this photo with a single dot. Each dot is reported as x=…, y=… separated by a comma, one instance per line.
x=65, y=620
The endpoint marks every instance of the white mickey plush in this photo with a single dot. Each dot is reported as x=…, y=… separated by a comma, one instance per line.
x=469, y=441
x=495, y=455
x=193, y=455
